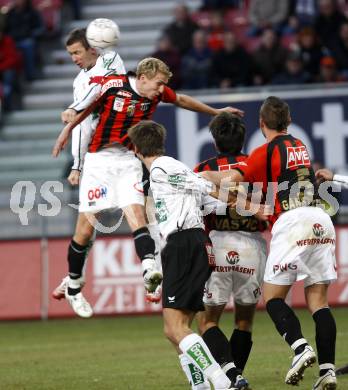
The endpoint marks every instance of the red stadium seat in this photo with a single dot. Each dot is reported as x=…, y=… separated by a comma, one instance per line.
x=202, y=18
x=51, y=12
x=49, y=9
x=5, y=3
x=237, y=21
x=288, y=41
x=250, y=44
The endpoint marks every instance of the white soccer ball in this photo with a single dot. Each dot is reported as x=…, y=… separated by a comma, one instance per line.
x=102, y=33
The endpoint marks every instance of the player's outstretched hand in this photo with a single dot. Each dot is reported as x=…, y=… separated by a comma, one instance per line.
x=233, y=110
x=264, y=212
x=68, y=115
x=74, y=177
x=62, y=140
x=323, y=174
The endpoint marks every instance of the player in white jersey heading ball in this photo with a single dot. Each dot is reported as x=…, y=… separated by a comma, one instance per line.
x=178, y=195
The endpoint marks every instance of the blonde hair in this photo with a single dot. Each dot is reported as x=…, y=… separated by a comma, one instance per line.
x=150, y=67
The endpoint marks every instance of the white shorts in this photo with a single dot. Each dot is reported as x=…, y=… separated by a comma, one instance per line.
x=111, y=178
x=240, y=264
x=302, y=247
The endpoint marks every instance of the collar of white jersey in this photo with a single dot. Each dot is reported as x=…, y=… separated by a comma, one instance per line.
x=133, y=84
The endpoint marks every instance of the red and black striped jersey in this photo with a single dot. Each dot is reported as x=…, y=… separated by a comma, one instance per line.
x=122, y=108
x=231, y=221
x=284, y=171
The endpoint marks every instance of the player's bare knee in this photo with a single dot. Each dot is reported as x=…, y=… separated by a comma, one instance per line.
x=244, y=325
x=84, y=234
x=244, y=316
x=203, y=326
x=316, y=297
x=135, y=215
x=170, y=333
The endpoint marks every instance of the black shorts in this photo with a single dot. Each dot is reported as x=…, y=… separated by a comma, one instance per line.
x=185, y=270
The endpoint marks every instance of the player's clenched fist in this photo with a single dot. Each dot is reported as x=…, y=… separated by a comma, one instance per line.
x=68, y=115
x=74, y=177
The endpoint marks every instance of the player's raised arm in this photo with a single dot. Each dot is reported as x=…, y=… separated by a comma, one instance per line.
x=219, y=178
x=190, y=103
x=324, y=174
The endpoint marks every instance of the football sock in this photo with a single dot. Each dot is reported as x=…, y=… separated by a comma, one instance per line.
x=155, y=234
x=325, y=338
x=144, y=243
x=193, y=374
x=219, y=348
x=76, y=260
x=240, y=345
x=88, y=249
x=196, y=350
x=285, y=321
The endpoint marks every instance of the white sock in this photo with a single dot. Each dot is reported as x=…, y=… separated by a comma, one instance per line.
x=148, y=264
x=155, y=234
x=195, y=376
x=196, y=350
x=327, y=366
x=298, y=342
x=74, y=283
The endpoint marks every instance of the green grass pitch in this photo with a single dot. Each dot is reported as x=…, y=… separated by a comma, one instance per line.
x=131, y=353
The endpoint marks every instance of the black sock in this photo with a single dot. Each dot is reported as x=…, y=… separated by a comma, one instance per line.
x=325, y=336
x=285, y=320
x=144, y=243
x=76, y=260
x=73, y=291
x=219, y=347
x=240, y=345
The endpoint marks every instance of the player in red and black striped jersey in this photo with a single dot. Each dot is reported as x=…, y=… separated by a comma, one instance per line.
x=303, y=241
x=121, y=107
x=112, y=175
x=240, y=256
x=231, y=220
x=149, y=84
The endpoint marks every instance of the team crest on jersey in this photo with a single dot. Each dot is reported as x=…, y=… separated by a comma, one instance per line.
x=125, y=94
x=144, y=106
x=131, y=107
x=232, y=257
x=318, y=230
x=297, y=156
x=114, y=83
x=118, y=104
x=131, y=110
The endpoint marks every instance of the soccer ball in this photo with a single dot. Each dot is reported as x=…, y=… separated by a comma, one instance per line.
x=102, y=33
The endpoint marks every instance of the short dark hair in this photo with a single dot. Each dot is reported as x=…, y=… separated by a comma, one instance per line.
x=149, y=137
x=228, y=131
x=275, y=113
x=77, y=35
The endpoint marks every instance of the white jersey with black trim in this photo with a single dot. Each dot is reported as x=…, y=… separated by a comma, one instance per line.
x=340, y=179
x=85, y=92
x=82, y=133
x=178, y=195
x=108, y=63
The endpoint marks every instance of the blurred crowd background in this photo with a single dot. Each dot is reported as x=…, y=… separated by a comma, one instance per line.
x=224, y=44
